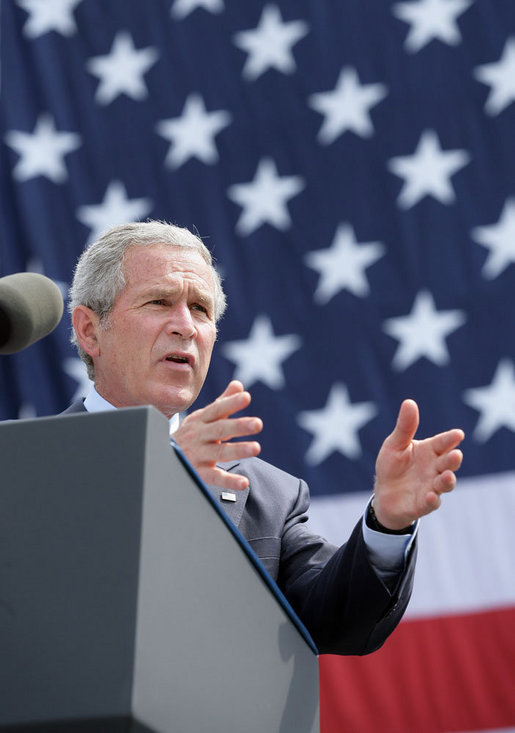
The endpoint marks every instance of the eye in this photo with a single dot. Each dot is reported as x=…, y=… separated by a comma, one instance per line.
x=204, y=309
x=156, y=301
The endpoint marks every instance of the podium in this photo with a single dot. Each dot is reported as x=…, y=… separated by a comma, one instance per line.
x=128, y=601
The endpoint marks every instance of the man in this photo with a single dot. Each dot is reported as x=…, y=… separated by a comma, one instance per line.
x=145, y=301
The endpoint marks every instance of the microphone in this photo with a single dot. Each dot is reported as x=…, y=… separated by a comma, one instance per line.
x=31, y=306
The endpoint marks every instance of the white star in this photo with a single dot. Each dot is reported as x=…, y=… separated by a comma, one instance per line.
x=192, y=134
x=76, y=369
x=260, y=357
x=182, y=8
x=335, y=427
x=115, y=209
x=264, y=199
x=496, y=402
x=49, y=15
x=42, y=152
x=501, y=77
x=121, y=71
x=270, y=45
x=347, y=107
x=423, y=332
x=342, y=266
x=428, y=171
x=500, y=240
x=431, y=19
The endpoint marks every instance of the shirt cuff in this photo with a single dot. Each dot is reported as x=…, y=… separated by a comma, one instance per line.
x=387, y=552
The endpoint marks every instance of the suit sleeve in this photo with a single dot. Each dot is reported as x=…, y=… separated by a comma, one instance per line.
x=335, y=591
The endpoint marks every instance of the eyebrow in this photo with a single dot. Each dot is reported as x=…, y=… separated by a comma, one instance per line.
x=203, y=295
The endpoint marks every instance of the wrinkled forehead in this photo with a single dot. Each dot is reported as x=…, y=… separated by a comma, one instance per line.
x=162, y=263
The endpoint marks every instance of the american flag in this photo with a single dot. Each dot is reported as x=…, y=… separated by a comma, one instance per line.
x=352, y=167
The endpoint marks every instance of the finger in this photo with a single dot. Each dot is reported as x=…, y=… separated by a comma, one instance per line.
x=233, y=387
x=451, y=461
x=406, y=426
x=224, y=479
x=433, y=501
x=223, y=452
x=444, y=442
x=222, y=407
x=228, y=428
x=444, y=482
x=225, y=405
x=210, y=453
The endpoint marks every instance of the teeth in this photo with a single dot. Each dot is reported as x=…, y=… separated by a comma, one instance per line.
x=178, y=359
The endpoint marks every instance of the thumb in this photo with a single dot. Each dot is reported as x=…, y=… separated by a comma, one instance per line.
x=406, y=426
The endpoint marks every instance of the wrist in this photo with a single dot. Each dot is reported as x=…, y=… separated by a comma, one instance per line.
x=373, y=522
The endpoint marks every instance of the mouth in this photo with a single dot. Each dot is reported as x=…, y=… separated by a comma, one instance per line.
x=180, y=358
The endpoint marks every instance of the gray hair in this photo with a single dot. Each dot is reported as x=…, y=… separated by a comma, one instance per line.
x=99, y=278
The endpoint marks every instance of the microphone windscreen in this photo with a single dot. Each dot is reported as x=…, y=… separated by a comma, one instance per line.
x=31, y=306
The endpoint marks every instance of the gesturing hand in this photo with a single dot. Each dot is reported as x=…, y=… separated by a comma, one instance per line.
x=204, y=437
x=412, y=474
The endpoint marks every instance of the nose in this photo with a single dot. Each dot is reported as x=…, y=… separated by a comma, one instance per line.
x=180, y=321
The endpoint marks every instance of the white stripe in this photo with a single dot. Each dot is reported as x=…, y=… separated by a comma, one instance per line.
x=497, y=730
x=466, y=558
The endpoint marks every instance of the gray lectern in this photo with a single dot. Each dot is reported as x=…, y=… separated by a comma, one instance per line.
x=127, y=600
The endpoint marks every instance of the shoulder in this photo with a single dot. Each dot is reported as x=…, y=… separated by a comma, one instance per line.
x=258, y=470
x=276, y=489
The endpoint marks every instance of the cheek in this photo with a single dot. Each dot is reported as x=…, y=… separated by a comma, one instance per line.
x=126, y=349
x=206, y=347
x=204, y=360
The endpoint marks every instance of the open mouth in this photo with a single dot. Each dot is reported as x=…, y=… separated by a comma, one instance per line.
x=178, y=359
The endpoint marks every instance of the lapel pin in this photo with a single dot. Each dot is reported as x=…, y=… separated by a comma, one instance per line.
x=228, y=496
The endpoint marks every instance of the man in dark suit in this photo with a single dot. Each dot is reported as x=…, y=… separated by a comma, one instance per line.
x=145, y=301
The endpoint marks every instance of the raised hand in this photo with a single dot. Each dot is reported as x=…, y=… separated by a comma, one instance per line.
x=205, y=436
x=411, y=475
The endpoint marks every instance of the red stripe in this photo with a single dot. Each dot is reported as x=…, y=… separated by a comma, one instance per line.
x=435, y=675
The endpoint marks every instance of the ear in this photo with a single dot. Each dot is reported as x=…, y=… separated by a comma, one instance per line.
x=86, y=324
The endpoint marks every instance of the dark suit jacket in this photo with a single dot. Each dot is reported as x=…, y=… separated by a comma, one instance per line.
x=345, y=606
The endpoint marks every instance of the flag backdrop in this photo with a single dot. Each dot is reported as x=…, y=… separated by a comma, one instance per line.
x=351, y=165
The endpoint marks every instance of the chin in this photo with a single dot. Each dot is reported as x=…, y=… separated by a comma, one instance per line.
x=170, y=404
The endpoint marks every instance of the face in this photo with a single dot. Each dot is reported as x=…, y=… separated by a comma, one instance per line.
x=157, y=346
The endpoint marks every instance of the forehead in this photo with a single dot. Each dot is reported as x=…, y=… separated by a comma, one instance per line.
x=161, y=264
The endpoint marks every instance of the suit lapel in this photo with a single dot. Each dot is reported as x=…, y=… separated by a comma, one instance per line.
x=234, y=505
